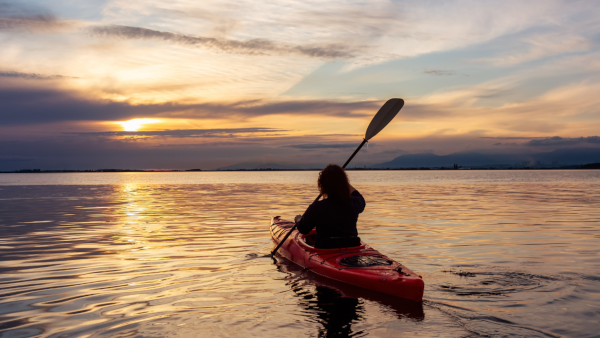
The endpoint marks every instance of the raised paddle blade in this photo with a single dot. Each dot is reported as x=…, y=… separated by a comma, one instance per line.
x=385, y=114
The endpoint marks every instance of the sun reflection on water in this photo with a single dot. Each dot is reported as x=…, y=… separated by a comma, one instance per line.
x=151, y=259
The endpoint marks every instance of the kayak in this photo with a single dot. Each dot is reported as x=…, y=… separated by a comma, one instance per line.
x=359, y=265
x=323, y=299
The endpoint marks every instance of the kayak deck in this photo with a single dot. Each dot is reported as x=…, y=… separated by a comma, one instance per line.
x=387, y=275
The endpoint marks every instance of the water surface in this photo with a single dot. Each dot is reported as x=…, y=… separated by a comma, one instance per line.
x=308, y=177
x=502, y=253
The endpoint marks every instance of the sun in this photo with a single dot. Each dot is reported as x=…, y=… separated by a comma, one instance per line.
x=135, y=124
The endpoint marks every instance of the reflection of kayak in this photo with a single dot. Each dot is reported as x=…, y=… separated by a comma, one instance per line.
x=360, y=265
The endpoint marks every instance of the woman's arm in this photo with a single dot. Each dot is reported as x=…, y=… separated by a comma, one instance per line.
x=304, y=223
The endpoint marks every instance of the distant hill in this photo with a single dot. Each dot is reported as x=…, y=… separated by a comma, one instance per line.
x=259, y=165
x=556, y=158
x=256, y=165
x=591, y=166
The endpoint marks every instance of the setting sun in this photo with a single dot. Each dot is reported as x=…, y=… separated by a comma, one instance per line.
x=136, y=124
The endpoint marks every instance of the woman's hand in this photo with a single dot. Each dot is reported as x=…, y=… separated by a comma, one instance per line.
x=297, y=218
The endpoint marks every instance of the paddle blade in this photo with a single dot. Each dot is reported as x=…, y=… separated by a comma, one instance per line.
x=385, y=114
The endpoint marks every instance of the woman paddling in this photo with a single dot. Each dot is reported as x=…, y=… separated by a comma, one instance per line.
x=336, y=215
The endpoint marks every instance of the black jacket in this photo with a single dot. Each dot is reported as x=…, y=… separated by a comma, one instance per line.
x=333, y=218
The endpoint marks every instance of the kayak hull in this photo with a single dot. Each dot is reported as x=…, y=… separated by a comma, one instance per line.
x=393, y=279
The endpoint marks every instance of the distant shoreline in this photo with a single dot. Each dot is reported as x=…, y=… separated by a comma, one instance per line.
x=590, y=166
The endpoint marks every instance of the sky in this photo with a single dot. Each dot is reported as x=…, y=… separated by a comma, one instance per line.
x=186, y=84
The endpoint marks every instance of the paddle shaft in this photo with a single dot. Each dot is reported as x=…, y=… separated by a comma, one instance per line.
x=294, y=227
x=353, y=154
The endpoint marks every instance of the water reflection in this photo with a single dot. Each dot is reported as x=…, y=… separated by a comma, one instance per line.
x=336, y=306
x=148, y=260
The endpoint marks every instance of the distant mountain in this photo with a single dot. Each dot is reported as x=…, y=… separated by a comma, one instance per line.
x=556, y=158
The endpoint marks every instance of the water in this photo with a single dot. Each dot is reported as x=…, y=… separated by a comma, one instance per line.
x=307, y=177
x=502, y=253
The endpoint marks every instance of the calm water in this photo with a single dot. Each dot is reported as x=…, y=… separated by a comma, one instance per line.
x=502, y=253
x=308, y=177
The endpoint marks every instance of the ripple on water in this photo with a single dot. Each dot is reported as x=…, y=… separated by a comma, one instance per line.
x=152, y=260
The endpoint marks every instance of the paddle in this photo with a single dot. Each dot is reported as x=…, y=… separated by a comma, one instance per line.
x=385, y=114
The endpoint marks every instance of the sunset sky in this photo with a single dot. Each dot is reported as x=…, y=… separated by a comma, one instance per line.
x=206, y=84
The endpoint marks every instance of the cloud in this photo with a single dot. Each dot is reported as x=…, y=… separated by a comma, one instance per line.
x=567, y=156
x=33, y=106
x=346, y=21
x=34, y=76
x=560, y=141
x=390, y=29
x=439, y=72
x=171, y=69
x=22, y=17
x=509, y=106
x=507, y=138
x=311, y=146
x=540, y=46
x=14, y=159
x=36, y=22
x=181, y=133
x=424, y=112
x=77, y=152
x=252, y=46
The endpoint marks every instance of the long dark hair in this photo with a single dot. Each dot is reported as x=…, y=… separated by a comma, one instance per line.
x=333, y=182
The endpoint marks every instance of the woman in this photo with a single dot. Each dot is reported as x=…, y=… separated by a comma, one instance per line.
x=335, y=216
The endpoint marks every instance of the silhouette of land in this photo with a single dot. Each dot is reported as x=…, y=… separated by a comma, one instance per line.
x=454, y=167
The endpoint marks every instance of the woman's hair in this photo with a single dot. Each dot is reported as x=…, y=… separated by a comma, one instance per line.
x=333, y=182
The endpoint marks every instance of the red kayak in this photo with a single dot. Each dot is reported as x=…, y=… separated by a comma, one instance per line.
x=359, y=265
